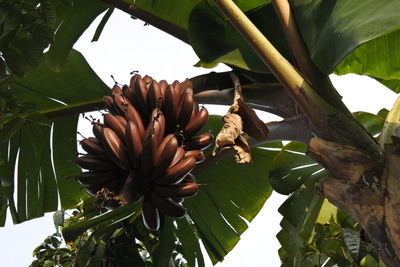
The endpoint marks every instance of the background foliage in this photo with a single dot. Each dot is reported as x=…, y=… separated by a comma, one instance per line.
x=44, y=84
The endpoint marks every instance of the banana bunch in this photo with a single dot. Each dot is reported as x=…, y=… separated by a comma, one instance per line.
x=146, y=148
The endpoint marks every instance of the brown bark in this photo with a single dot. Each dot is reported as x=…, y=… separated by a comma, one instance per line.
x=367, y=207
x=358, y=188
x=346, y=162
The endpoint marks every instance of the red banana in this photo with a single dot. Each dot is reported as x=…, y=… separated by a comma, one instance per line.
x=94, y=164
x=98, y=130
x=186, y=108
x=94, y=148
x=147, y=80
x=132, y=114
x=196, y=123
x=120, y=103
x=171, y=108
x=133, y=143
x=180, y=153
x=197, y=154
x=95, y=140
x=115, y=124
x=133, y=80
x=116, y=148
x=122, y=120
x=157, y=125
x=132, y=96
x=155, y=95
x=167, y=206
x=163, y=86
x=177, y=190
x=128, y=93
x=108, y=100
x=149, y=151
x=116, y=90
x=164, y=155
x=151, y=218
x=176, y=173
x=199, y=142
x=141, y=94
x=189, y=179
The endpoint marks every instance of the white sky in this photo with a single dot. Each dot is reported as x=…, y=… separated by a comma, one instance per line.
x=127, y=45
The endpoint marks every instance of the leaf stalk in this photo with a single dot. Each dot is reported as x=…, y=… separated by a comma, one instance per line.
x=330, y=124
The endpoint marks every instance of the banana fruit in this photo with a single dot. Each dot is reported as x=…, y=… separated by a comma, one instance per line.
x=146, y=148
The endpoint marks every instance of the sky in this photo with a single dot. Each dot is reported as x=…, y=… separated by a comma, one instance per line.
x=127, y=45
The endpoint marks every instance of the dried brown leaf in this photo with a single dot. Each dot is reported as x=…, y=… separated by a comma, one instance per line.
x=242, y=148
x=252, y=125
x=231, y=129
x=231, y=133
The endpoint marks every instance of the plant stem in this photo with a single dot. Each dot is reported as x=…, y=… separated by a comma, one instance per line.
x=291, y=129
x=280, y=67
x=329, y=123
x=320, y=82
x=267, y=97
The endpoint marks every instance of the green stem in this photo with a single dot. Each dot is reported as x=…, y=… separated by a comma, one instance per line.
x=320, y=82
x=329, y=123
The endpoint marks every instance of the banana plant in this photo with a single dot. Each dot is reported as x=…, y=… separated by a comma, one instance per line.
x=281, y=53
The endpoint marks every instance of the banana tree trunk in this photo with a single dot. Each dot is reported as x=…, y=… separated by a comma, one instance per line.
x=362, y=183
x=356, y=188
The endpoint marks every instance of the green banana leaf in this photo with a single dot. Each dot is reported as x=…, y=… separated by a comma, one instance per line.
x=344, y=36
x=300, y=211
x=214, y=39
x=218, y=225
x=74, y=20
x=334, y=29
x=350, y=36
x=217, y=216
x=60, y=91
x=220, y=215
x=177, y=12
x=373, y=123
x=30, y=134
x=291, y=168
x=35, y=180
x=362, y=34
x=30, y=26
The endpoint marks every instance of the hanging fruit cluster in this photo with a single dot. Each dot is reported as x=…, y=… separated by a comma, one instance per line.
x=146, y=147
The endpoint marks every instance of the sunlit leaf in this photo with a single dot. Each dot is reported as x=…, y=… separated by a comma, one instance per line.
x=102, y=24
x=221, y=215
x=75, y=20
x=214, y=39
x=64, y=152
x=291, y=167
